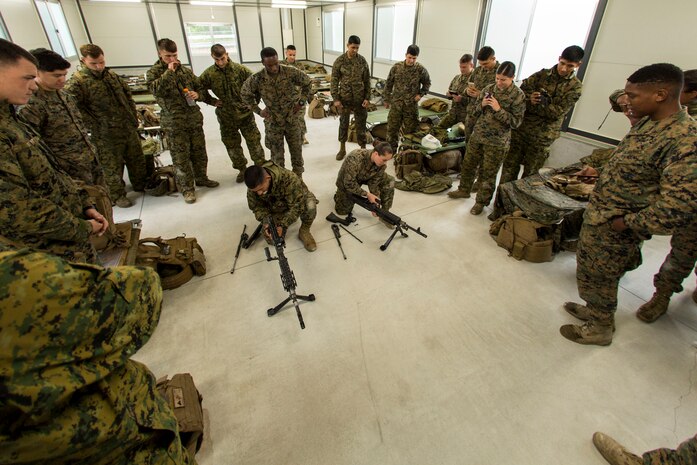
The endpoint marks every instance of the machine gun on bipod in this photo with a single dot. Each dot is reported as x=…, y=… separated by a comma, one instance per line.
x=287, y=276
x=388, y=217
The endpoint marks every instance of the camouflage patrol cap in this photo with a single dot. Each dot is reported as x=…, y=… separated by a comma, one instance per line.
x=613, y=100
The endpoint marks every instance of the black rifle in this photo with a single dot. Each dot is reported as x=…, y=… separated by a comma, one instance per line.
x=287, y=276
x=251, y=239
x=332, y=218
x=390, y=218
x=337, y=235
x=243, y=238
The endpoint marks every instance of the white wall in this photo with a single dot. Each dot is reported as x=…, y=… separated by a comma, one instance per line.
x=442, y=57
x=298, y=23
x=633, y=33
x=165, y=17
x=358, y=20
x=23, y=23
x=271, y=27
x=77, y=29
x=313, y=24
x=123, y=31
x=249, y=33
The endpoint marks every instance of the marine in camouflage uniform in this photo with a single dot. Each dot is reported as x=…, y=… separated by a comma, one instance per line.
x=183, y=124
x=616, y=454
x=283, y=101
x=40, y=205
x=457, y=91
x=541, y=126
x=359, y=168
x=301, y=115
x=350, y=89
x=489, y=142
x=71, y=394
x=108, y=110
x=683, y=244
x=479, y=79
x=407, y=82
x=55, y=117
x=234, y=117
x=286, y=199
x=648, y=187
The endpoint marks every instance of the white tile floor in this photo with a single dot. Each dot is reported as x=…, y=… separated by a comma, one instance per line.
x=437, y=351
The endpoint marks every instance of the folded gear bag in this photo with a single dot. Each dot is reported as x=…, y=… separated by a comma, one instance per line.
x=176, y=260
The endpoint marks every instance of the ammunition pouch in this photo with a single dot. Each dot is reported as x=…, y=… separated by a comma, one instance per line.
x=176, y=260
x=406, y=161
x=163, y=181
x=524, y=238
x=316, y=108
x=185, y=401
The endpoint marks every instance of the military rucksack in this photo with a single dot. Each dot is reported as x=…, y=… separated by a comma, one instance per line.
x=444, y=162
x=316, y=108
x=162, y=182
x=176, y=260
x=185, y=401
x=524, y=238
x=353, y=136
x=407, y=160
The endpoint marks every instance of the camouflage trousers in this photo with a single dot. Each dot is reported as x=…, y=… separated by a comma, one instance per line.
x=308, y=214
x=404, y=116
x=602, y=258
x=482, y=162
x=685, y=454
x=454, y=116
x=291, y=132
x=529, y=150
x=301, y=122
x=121, y=149
x=679, y=262
x=361, y=116
x=231, y=132
x=344, y=205
x=188, y=149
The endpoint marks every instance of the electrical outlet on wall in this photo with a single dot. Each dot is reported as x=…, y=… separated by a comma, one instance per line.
x=318, y=22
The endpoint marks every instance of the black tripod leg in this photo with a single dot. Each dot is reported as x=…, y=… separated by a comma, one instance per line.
x=277, y=308
x=398, y=229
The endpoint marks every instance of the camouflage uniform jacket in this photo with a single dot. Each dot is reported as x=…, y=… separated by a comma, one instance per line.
x=692, y=108
x=406, y=82
x=168, y=88
x=226, y=84
x=40, y=206
x=70, y=392
x=482, y=77
x=651, y=178
x=459, y=85
x=350, y=80
x=296, y=64
x=278, y=91
x=494, y=127
x=359, y=169
x=285, y=199
x=564, y=92
x=55, y=116
x=104, y=100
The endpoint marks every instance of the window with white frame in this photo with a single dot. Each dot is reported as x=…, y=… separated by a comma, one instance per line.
x=56, y=27
x=394, y=30
x=3, y=29
x=333, y=30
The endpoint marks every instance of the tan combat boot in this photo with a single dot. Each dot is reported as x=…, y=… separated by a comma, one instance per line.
x=654, y=308
x=207, y=182
x=189, y=196
x=342, y=151
x=459, y=194
x=596, y=331
x=614, y=452
x=477, y=209
x=306, y=237
x=581, y=312
x=123, y=202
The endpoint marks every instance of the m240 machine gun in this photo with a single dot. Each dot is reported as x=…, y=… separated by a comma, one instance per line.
x=390, y=218
x=287, y=276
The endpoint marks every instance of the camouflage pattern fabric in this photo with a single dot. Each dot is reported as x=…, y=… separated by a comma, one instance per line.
x=482, y=162
x=480, y=77
x=542, y=123
x=287, y=199
x=356, y=170
x=679, y=262
x=458, y=111
x=301, y=115
x=182, y=122
x=351, y=86
x=234, y=118
x=403, y=84
x=280, y=95
x=56, y=118
x=685, y=454
x=108, y=110
x=652, y=183
x=40, y=205
x=71, y=394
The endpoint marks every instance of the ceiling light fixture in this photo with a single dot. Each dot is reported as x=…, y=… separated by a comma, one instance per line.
x=210, y=3
x=288, y=4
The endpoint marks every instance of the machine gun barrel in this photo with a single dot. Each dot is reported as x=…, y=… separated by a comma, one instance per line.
x=243, y=239
x=251, y=239
x=337, y=235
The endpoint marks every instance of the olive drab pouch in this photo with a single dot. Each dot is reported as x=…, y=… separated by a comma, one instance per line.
x=176, y=260
x=524, y=238
x=162, y=182
x=185, y=401
x=316, y=108
x=406, y=161
x=435, y=104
